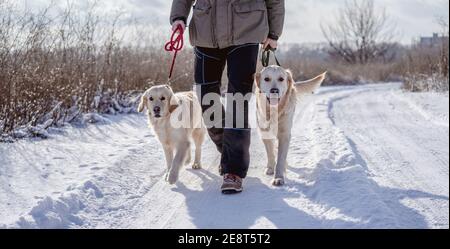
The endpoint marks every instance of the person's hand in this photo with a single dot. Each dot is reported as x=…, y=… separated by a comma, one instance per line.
x=270, y=42
x=177, y=23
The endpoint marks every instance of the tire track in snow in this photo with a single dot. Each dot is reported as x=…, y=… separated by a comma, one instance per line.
x=405, y=151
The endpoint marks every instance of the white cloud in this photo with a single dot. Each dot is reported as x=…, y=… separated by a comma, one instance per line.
x=303, y=19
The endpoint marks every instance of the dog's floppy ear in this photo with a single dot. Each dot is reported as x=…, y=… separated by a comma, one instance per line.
x=174, y=102
x=310, y=86
x=290, y=79
x=143, y=104
x=257, y=78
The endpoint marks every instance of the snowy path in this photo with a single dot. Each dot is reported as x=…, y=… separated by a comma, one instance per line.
x=361, y=157
x=402, y=150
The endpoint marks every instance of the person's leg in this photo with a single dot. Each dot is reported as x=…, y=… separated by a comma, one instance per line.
x=242, y=61
x=209, y=66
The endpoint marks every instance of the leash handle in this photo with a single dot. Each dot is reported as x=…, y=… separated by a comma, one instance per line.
x=265, y=57
x=175, y=45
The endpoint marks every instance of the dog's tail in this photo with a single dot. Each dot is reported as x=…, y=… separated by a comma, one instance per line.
x=310, y=86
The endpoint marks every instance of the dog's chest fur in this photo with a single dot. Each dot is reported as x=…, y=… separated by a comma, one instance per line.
x=166, y=135
x=285, y=114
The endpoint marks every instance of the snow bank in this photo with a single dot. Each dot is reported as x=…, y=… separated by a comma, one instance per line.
x=433, y=106
x=104, y=103
x=58, y=177
x=94, y=118
x=54, y=214
x=62, y=212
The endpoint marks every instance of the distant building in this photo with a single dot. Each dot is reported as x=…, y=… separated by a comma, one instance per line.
x=433, y=41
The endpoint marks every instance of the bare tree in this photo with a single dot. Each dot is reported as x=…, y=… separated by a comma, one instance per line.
x=361, y=33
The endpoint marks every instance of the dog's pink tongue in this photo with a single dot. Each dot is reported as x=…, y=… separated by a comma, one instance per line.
x=274, y=101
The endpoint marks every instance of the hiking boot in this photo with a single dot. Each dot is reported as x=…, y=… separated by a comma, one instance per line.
x=232, y=184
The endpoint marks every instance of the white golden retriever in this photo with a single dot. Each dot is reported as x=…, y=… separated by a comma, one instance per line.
x=276, y=100
x=164, y=110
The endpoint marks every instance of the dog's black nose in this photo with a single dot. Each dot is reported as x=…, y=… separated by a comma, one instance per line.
x=157, y=109
x=274, y=91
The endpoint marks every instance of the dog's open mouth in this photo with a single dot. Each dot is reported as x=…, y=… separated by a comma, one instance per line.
x=157, y=115
x=273, y=99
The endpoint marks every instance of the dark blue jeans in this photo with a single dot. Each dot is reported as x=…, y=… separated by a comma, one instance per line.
x=231, y=140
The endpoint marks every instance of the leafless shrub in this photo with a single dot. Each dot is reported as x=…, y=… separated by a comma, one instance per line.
x=426, y=68
x=55, y=65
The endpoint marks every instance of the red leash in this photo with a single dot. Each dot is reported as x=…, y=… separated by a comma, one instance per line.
x=175, y=44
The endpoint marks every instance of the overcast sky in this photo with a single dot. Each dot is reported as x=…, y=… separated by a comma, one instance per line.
x=413, y=18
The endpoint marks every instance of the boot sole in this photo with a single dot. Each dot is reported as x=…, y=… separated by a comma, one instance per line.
x=231, y=191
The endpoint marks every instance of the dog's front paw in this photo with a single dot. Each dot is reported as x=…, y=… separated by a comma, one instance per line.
x=279, y=181
x=172, y=178
x=269, y=171
x=196, y=166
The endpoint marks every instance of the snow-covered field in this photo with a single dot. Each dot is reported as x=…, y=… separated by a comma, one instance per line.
x=361, y=157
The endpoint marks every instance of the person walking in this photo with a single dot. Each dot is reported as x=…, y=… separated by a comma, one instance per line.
x=229, y=32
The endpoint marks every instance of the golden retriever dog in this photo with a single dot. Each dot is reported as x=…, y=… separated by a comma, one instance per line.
x=276, y=100
x=164, y=109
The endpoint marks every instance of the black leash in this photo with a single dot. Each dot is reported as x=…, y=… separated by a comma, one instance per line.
x=265, y=57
